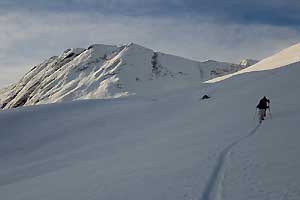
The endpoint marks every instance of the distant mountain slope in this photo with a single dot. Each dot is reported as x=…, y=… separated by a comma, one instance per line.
x=104, y=71
x=283, y=58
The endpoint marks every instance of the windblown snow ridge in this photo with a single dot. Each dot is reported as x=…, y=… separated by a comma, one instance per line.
x=106, y=71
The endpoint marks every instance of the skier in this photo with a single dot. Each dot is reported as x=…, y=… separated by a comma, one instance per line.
x=262, y=106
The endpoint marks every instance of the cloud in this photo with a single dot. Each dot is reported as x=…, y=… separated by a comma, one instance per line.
x=271, y=12
x=29, y=38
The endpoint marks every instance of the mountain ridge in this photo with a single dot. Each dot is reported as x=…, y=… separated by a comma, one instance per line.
x=108, y=71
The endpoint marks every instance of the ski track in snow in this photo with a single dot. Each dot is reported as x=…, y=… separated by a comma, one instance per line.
x=213, y=188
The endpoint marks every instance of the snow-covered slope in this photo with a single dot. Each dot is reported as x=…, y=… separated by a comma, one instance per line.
x=104, y=71
x=170, y=146
x=283, y=58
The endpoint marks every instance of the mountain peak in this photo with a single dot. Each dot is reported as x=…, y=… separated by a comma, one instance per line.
x=108, y=71
x=248, y=62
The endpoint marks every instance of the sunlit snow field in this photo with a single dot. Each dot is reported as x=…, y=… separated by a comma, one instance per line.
x=168, y=146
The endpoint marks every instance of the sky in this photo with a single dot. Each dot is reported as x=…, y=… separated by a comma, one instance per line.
x=34, y=30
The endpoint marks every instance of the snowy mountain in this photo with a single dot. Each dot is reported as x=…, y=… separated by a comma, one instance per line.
x=248, y=62
x=104, y=71
x=167, y=146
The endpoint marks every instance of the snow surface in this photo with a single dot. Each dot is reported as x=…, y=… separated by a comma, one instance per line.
x=104, y=71
x=167, y=146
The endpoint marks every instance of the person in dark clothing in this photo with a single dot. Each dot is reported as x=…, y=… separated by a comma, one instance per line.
x=262, y=106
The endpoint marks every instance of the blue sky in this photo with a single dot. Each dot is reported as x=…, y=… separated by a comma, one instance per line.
x=227, y=30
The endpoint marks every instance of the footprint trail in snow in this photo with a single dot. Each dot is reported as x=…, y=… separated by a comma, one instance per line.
x=213, y=188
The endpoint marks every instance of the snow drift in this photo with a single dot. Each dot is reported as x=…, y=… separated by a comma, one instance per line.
x=104, y=71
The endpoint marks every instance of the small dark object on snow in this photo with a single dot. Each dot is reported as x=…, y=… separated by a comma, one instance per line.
x=205, y=97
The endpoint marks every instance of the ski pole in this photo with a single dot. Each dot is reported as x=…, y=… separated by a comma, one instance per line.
x=270, y=113
x=255, y=114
